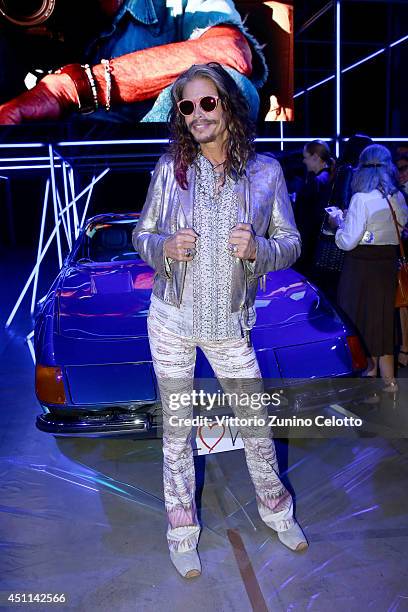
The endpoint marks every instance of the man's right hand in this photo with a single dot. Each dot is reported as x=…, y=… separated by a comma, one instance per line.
x=46, y=101
x=175, y=246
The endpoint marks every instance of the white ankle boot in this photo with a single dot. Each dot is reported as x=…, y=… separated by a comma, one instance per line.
x=186, y=563
x=293, y=538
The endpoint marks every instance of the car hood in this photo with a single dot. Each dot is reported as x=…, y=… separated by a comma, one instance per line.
x=103, y=301
x=289, y=298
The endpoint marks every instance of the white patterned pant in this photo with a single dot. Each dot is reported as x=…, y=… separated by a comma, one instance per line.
x=174, y=360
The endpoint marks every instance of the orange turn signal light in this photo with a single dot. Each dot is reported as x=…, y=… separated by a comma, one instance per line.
x=49, y=385
x=358, y=356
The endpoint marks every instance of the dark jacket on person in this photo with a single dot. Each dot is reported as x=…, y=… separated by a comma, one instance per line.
x=341, y=191
x=311, y=201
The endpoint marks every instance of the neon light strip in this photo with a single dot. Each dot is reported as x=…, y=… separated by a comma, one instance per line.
x=338, y=75
x=315, y=17
x=87, y=201
x=86, y=143
x=322, y=82
x=362, y=61
x=305, y=139
x=55, y=204
x=40, y=243
x=400, y=40
x=23, y=145
x=98, y=178
x=64, y=178
x=30, y=346
x=41, y=252
x=61, y=214
x=291, y=139
x=365, y=59
x=163, y=141
x=30, y=278
x=59, y=155
x=160, y=141
x=23, y=159
x=74, y=208
x=266, y=139
x=39, y=167
x=66, y=223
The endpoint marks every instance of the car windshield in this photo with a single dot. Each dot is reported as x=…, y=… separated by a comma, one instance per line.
x=111, y=241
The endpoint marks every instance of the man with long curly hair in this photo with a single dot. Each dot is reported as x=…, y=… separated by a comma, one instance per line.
x=210, y=203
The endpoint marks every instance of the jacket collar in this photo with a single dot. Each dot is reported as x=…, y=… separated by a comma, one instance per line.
x=140, y=10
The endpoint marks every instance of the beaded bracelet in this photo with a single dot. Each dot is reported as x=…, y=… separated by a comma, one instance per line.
x=108, y=80
x=88, y=72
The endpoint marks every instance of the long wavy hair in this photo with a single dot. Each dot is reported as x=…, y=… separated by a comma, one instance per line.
x=241, y=130
x=375, y=170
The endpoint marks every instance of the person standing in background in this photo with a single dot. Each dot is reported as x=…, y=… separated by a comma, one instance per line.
x=341, y=192
x=311, y=201
x=401, y=163
x=368, y=281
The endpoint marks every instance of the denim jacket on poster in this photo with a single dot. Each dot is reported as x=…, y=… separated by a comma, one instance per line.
x=143, y=24
x=263, y=202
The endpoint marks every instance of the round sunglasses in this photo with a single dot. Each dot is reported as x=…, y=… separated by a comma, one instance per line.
x=206, y=103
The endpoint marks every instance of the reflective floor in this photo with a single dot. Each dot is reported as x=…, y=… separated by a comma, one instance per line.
x=85, y=517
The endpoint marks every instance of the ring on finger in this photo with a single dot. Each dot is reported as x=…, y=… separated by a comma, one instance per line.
x=188, y=253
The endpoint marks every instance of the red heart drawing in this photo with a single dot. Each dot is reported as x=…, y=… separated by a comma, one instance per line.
x=201, y=427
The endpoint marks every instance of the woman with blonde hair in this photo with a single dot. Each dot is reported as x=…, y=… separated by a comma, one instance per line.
x=368, y=280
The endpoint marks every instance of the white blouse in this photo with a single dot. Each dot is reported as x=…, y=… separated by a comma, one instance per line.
x=369, y=220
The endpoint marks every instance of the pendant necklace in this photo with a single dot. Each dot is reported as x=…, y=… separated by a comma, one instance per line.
x=220, y=175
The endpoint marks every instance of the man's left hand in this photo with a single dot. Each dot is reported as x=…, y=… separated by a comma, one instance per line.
x=242, y=242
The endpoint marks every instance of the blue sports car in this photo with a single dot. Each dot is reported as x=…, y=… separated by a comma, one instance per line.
x=94, y=372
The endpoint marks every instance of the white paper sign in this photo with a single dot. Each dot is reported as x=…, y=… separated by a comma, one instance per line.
x=216, y=438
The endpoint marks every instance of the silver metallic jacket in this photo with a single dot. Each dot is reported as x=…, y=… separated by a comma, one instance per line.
x=263, y=202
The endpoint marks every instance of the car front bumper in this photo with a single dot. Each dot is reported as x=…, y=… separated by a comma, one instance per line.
x=98, y=423
x=297, y=397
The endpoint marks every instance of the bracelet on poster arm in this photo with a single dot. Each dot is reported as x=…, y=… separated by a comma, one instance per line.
x=108, y=80
x=89, y=74
x=83, y=86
